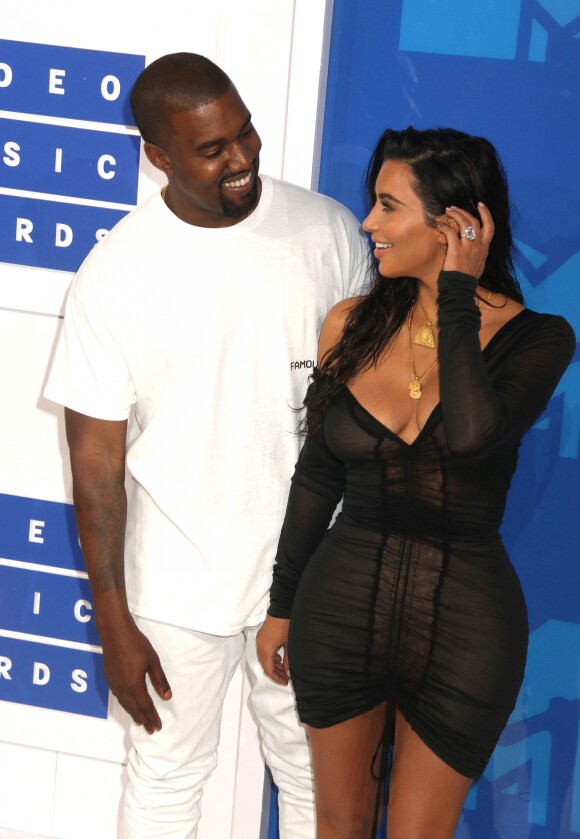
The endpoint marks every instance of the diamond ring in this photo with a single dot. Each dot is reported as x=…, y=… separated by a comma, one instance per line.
x=468, y=233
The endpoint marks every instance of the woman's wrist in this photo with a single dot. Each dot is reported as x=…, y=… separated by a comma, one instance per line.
x=456, y=280
x=278, y=612
x=456, y=299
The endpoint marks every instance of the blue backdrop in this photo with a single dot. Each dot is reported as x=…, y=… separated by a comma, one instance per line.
x=509, y=71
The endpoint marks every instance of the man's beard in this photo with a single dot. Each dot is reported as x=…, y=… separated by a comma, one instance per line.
x=232, y=209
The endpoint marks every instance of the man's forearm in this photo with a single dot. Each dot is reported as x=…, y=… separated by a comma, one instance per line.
x=97, y=456
x=101, y=510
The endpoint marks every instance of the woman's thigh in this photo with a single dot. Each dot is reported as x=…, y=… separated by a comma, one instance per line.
x=425, y=794
x=345, y=760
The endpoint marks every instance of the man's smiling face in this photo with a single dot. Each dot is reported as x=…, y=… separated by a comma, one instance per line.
x=211, y=161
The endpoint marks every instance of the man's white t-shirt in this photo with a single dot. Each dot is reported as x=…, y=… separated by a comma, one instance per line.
x=204, y=339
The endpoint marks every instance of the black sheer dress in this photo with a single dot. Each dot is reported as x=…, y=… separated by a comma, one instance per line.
x=410, y=596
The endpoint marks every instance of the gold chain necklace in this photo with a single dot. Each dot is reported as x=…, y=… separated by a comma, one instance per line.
x=479, y=302
x=415, y=391
x=425, y=336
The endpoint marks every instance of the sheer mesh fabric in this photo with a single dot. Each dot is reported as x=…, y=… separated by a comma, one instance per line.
x=410, y=595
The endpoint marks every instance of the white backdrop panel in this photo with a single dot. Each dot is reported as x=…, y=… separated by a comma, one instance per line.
x=274, y=52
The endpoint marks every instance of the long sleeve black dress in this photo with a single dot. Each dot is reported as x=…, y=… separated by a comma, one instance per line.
x=410, y=596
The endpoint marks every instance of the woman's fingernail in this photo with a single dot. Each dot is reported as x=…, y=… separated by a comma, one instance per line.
x=480, y=204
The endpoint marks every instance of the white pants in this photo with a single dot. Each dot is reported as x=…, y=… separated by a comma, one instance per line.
x=167, y=770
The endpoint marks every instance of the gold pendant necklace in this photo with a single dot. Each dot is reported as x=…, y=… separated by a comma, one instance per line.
x=415, y=391
x=425, y=336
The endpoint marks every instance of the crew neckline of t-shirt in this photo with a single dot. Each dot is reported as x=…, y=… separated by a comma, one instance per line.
x=238, y=229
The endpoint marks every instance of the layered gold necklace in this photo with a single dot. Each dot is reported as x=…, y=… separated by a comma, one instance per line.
x=425, y=337
x=415, y=391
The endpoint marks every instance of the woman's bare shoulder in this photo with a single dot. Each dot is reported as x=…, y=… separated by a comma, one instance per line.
x=333, y=325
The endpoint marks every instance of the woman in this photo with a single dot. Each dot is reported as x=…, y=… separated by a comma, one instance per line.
x=407, y=619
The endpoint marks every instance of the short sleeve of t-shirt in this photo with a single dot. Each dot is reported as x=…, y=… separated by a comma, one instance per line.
x=89, y=373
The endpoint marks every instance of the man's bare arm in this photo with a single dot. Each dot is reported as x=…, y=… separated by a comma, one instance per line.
x=97, y=453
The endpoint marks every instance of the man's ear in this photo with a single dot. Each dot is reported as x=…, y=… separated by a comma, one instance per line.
x=158, y=158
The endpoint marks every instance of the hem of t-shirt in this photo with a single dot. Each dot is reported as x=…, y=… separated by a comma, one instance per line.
x=207, y=626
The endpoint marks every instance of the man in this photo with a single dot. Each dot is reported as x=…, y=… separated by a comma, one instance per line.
x=188, y=335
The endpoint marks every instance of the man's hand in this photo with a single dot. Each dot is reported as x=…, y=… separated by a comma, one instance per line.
x=128, y=656
x=272, y=637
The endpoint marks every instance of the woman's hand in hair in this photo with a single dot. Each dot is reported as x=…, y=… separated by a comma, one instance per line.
x=463, y=253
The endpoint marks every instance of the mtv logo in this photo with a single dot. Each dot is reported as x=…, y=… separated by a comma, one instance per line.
x=488, y=29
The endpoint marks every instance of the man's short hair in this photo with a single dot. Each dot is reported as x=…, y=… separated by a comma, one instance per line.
x=181, y=81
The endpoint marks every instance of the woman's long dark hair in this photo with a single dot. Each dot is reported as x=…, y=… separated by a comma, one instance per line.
x=449, y=168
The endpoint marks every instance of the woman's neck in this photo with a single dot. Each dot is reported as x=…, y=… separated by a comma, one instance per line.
x=427, y=300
